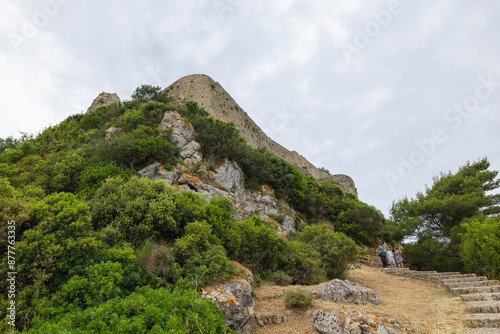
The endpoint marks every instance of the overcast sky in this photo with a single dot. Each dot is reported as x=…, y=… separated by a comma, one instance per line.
x=390, y=93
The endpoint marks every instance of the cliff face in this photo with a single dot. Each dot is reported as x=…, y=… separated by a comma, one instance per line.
x=213, y=97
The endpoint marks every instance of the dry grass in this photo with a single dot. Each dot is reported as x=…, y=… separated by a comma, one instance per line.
x=417, y=305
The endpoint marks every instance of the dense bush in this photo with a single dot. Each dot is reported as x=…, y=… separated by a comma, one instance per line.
x=480, y=248
x=337, y=251
x=262, y=249
x=139, y=208
x=363, y=223
x=145, y=311
x=62, y=253
x=298, y=299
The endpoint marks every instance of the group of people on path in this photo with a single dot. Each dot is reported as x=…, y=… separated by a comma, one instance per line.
x=390, y=258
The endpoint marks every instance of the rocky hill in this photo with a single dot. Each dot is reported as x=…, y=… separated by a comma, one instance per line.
x=216, y=100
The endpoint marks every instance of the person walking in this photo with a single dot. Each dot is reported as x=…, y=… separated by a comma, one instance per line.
x=383, y=257
x=390, y=258
x=399, y=258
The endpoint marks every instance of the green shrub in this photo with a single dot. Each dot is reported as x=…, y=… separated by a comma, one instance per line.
x=337, y=251
x=145, y=311
x=139, y=208
x=480, y=247
x=298, y=299
x=262, y=249
x=136, y=148
x=206, y=267
x=131, y=119
x=280, y=278
x=198, y=238
x=146, y=93
x=303, y=263
x=92, y=178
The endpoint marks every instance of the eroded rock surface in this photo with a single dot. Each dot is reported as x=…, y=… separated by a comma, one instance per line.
x=348, y=322
x=341, y=291
x=183, y=132
x=102, y=100
x=234, y=298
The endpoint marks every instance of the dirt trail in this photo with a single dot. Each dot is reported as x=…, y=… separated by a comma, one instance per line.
x=419, y=306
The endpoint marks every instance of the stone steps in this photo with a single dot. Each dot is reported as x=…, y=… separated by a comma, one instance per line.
x=472, y=284
x=478, y=284
x=481, y=297
x=483, y=307
x=483, y=320
x=467, y=279
x=477, y=289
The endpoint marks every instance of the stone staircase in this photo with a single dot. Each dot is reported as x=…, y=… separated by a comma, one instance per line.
x=481, y=296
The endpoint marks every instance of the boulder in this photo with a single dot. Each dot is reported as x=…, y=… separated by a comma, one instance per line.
x=157, y=171
x=341, y=291
x=326, y=323
x=233, y=297
x=102, y=100
x=244, y=272
x=230, y=176
x=182, y=132
x=348, y=322
x=189, y=150
x=260, y=203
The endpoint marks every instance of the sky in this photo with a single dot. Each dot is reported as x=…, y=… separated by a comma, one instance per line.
x=388, y=92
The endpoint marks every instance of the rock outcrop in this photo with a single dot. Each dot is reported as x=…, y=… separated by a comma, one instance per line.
x=102, y=100
x=341, y=291
x=183, y=132
x=233, y=297
x=348, y=322
x=217, y=101
x=224, y=178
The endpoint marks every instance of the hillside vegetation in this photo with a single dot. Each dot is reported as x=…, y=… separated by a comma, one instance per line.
x=100, y=249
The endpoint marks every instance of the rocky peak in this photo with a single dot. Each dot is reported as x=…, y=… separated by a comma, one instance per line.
x=102, y=100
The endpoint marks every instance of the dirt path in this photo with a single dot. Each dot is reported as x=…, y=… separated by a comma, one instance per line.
x=411, y=304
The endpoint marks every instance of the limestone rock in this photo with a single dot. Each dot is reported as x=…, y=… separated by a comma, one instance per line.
x=102, y=100
x=195, y=184
x=157, y=171
x=286, y=226
x=234, y=298
x=348, y=322
x=260, y=203
x=326, y=323
x=356, y=322
x=244, y=272
x=341, y=291
x=189, y=150
x=183, y=132
x=230, y=176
